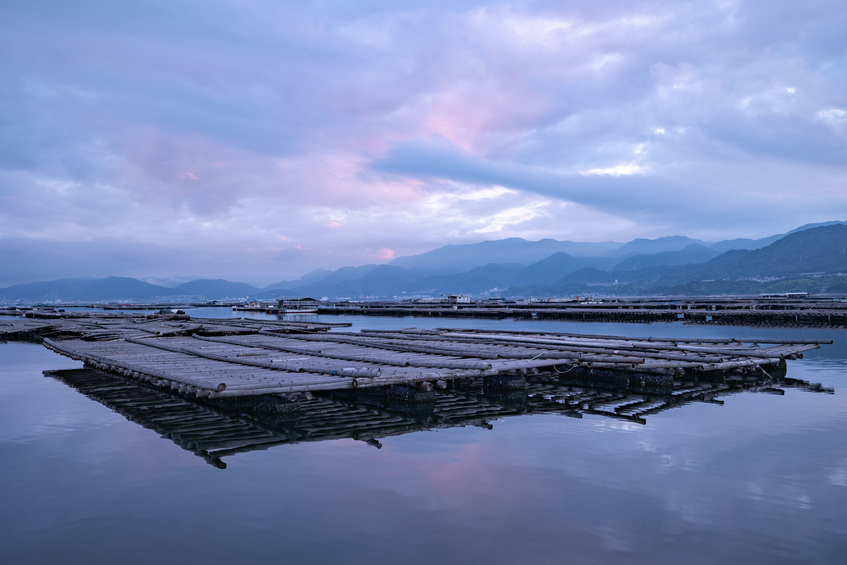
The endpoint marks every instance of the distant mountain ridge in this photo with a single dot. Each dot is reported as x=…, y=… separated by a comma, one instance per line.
x=216, y=287
x=692, y=253
x=511, y=250
x=814, y=252
x=558, y=265
x=84, y=289
x=641, y=266
x=462, y=257
x=121, y=289
x=659, y=245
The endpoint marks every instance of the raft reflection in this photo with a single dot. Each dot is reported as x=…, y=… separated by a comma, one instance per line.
x=213, y=431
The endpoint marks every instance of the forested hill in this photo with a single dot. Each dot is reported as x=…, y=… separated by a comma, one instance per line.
x=818, y=250
x=812, y=260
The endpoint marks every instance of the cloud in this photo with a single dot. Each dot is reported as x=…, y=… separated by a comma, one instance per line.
x=415, y=125
x=384, y=254
x=833, y=116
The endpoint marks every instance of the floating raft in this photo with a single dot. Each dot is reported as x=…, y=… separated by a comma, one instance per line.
x=100, y=326
x=742, y=311
x=235, y=358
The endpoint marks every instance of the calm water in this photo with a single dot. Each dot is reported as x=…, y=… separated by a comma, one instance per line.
x=761, y=479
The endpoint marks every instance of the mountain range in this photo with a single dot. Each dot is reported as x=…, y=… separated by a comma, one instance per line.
x=811, y=258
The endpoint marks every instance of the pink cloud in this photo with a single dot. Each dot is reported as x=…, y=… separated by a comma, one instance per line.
x=384, y=253
x=334, y=225
x=191, y=176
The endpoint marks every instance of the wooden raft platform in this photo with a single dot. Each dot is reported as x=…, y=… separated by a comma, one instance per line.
x=235, y=358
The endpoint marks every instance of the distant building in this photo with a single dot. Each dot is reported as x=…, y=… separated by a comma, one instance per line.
x=458, y=299
x=788, y=295
x=304, y=305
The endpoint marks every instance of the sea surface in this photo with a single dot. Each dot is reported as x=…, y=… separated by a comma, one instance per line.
x=759, y=479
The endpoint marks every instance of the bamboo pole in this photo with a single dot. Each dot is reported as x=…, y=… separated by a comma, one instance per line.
x=199, y=383
x=622, y=345
x=661, y=340
x=447, y=364
x=278, y=366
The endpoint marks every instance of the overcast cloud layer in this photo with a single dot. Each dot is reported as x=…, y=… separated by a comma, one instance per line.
x=258, y=140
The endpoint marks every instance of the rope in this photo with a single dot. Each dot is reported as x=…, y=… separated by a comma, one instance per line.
x=768, y=375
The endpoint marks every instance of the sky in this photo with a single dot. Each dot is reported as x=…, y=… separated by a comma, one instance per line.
x=258, y=140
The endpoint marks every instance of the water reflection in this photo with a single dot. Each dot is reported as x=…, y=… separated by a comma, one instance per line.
x=308, y=318
x=216, y=429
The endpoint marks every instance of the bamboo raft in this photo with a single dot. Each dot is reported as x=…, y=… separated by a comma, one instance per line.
x=213, y=431
x=738, y=311
x=102, y=326
x=230, y=358
x=762, y=311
